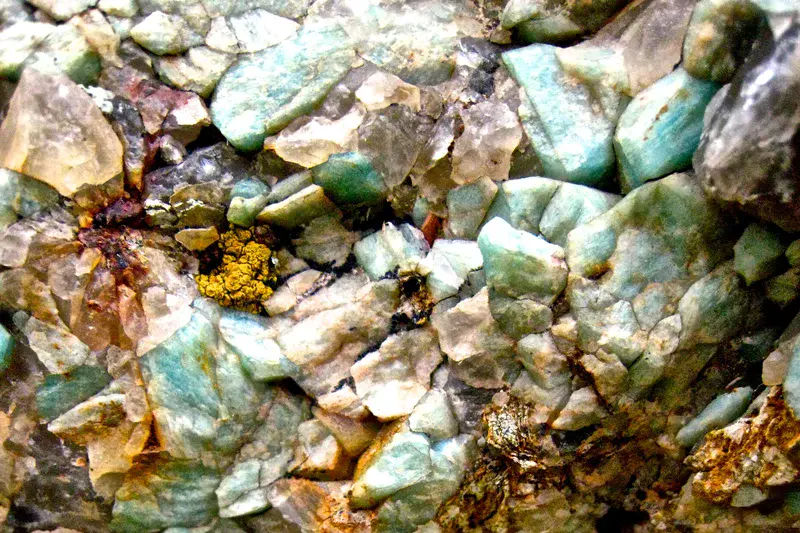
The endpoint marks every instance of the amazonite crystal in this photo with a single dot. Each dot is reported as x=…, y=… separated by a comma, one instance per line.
x=265, y=91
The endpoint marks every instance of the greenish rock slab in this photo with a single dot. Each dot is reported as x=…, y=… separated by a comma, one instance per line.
x=398, y=459
x=660, y=129
x=164, y=34
x=759, y=253
x=198, y=70
x=522, y=202
x=448, y=265
x=19, y=41
x=61, y=392
x=433, y=415
x=413, y=506
x=520, y=264
x=66, y=51
x=715, y=308
x=203, y=402
x=519, y=317
x=248, y=198
x=548, y=207
x=613, y=329
x=466, y=207
x=603, y=70
x=793, y=253
x=298, y=209
x=662, y=248
x=21, y=196
x=670, y=222
x=267, y=457
x=719, y=37
x=723, y=410
x=392, y=248
x=6, y=348
x=350, y=178
x=551, y=22
x=250, y=337
x=571, y=135
x=258, y=29
x=289, y=186
x=162, y=492
x=784, y=288
x=571, y=206
x=263, y=92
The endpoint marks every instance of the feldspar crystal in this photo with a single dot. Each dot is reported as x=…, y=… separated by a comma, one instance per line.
x=264, y=92
x=518, y=263
x=165, y=34
x=54, y=132
x=350, y=178
x=467, y=206
x=719, y=38
x=570, y=136
x=724, y=409
x=660, y=129
x=538, y=21
x=758, y=254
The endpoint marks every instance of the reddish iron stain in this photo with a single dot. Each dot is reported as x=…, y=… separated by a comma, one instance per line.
x=430, y=228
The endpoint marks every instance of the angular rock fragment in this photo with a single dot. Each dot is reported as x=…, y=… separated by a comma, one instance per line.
x=391, y=249
x=746, y=156
x=467, y=206
x=264, y=92
x=55, y=133
x=660, y=129
x=519, y=264
x=758, y=254
x=570, y=136
x=719, y=38
x=392, y=380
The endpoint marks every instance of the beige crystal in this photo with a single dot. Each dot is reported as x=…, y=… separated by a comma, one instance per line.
x=55, y=133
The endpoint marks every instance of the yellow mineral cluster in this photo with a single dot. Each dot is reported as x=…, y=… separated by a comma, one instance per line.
x=244, y=278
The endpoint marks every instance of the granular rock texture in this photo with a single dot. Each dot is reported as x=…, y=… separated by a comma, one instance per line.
x=424, y=266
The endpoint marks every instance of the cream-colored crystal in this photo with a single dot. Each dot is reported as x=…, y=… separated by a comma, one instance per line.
x=55, y=133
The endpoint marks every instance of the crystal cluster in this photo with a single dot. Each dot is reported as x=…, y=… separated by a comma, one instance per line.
x=432, y=266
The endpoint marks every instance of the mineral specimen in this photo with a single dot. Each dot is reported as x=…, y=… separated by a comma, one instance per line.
x=425, y=266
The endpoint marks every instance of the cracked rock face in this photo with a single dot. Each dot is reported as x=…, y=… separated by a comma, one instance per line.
x=399, y=267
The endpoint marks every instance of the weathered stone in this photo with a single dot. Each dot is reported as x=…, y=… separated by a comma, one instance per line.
x=719, y=38
x=570, y=136
x=54, y=132
x=165, y=34
x=748, y=132
x=660, y=129
x=758, y=254
x=391, y=249
x=519, y=264
x=264, y=92
x=392, y=380
x=162, y=492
